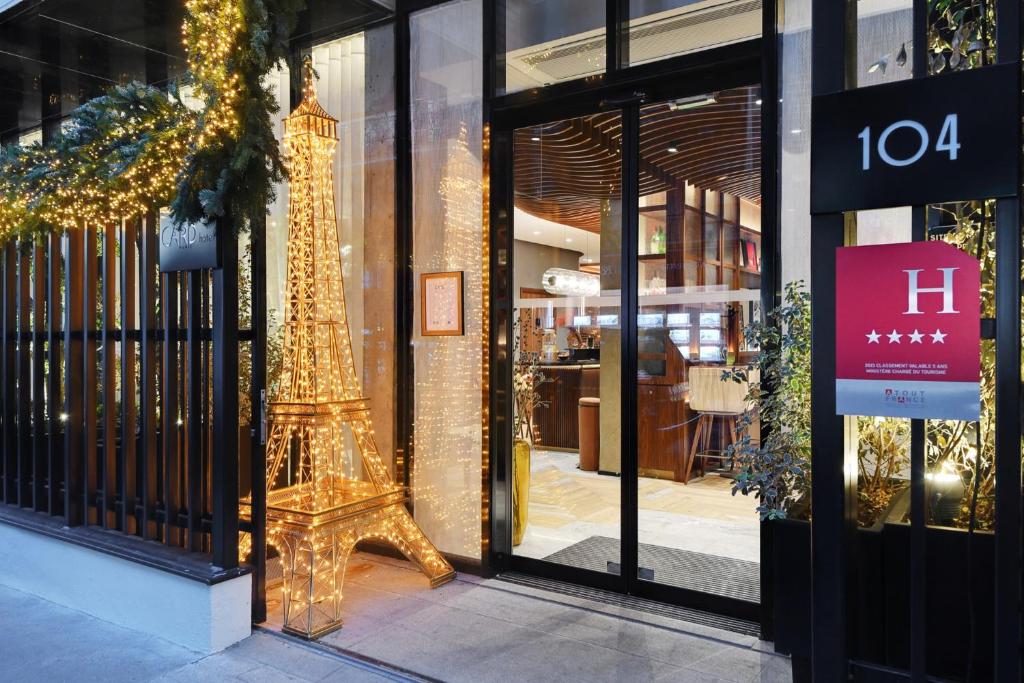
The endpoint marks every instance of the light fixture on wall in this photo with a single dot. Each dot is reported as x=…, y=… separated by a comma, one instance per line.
x=563, y=282
x=684, y=103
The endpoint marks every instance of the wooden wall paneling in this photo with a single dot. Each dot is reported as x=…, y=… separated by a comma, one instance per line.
x=108, y=344
x=147, y=453
x=194, y=422
x=23, y=374
x=40, y=444
x=90, y=429
x=74, y=243
x=54, y=384
x=169, y=410
x=205, y=404
x=128, y=483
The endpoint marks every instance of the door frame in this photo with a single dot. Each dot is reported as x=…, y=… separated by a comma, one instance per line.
x=716, y=69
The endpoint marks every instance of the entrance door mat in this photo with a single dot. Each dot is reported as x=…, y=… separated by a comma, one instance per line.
x=724, y=576
x=694, y=616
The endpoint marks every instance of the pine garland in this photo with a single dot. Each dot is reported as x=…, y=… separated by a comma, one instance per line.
x=139, y=148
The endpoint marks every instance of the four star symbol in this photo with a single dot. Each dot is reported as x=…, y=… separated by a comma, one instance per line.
x=916, y=337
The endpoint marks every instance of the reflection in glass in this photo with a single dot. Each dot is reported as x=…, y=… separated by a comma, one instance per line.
x=550, y=41
x=885, y=41
x=667, y=28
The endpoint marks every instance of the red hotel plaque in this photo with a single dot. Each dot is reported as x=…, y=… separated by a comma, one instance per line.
x=908, y=331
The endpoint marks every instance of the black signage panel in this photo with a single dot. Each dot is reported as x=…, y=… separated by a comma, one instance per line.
x=923, y=141
x=188, y=246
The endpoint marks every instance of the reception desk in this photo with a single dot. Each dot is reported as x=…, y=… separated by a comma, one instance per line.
x=663, y=431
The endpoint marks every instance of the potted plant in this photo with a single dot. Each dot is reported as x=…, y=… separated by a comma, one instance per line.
x=775, y=467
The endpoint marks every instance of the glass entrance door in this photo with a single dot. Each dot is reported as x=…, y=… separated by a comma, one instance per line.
x=698, y=257
x=635, y=268
x=566, y=281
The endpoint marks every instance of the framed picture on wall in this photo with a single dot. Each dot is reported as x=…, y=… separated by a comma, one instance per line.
x=441, y=299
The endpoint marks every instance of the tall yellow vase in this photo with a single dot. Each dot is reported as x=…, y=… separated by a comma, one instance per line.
x=520, y=489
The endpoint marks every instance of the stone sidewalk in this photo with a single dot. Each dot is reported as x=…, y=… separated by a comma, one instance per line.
x=471, y=630
x=42, y=642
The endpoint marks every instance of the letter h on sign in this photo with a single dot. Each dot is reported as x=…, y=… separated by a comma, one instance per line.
x=913, y=290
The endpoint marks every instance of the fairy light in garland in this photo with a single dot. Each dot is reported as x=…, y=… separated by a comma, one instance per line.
x=125, y=153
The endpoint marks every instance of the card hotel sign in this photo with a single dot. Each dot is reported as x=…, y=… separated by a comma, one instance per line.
x=188, y=246
x=922, y=141
x=907, y=331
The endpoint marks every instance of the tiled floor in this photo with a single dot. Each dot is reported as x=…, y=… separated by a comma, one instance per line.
x=568, y=505
x=397, y=629
x=475, y=630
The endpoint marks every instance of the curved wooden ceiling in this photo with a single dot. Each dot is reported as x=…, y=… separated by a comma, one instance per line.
x=567, y=171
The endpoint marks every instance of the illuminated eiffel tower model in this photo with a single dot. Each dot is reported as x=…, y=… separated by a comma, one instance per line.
x=316, y=514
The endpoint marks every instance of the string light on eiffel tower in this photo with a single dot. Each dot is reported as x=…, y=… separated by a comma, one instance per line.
x=316, y=521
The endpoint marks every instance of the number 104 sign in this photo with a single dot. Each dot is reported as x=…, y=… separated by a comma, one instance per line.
x=943, y=138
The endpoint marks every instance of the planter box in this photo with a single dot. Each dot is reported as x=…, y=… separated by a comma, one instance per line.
x=792, y=583
x=880, y=605
x=791, y=557
x=948, y=607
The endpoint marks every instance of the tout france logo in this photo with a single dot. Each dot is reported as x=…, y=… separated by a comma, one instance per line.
x=907, y=331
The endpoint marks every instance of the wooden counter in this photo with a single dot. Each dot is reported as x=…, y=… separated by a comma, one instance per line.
x=557, y=423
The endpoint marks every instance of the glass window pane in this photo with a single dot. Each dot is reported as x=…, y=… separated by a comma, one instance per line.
x=566, y=279
x=446, y=44
x=667, y=28
x=885, y=35
x=550, y=41
x=354, y=84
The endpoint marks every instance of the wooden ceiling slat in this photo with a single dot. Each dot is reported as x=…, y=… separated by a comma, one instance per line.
x=574, y=166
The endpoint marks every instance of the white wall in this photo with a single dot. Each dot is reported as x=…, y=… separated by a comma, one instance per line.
x=186, y=612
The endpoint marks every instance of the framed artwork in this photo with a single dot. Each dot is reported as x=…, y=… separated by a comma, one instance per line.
x=441, y=299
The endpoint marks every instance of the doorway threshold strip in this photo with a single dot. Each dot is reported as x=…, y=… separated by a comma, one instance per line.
x=369, y=664
x=723, y=576
x=693, y=616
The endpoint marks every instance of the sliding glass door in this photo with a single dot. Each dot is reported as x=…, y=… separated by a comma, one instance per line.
x=635, y=266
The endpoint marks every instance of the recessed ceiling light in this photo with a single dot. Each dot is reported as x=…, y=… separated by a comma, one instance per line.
x=672, y=148
x=796, y=131
x=535, y=139
x=758, y=101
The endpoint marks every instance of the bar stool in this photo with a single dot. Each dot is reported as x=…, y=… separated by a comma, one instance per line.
x=713, y=398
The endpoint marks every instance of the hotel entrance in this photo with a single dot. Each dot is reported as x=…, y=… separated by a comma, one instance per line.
x=634, y=268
